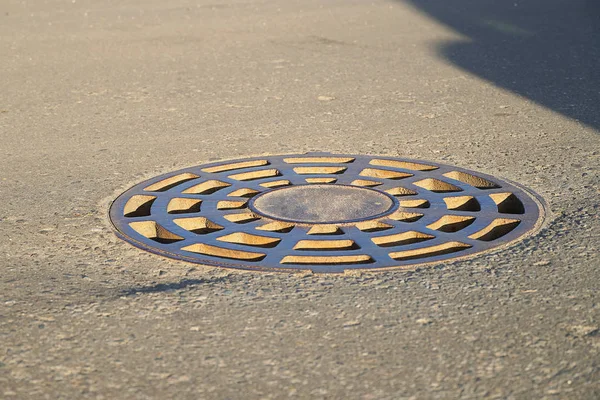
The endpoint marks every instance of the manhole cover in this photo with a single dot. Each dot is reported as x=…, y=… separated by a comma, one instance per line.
x=323, y=212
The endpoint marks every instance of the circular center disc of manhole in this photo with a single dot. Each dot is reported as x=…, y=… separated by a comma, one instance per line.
x=322, y=204
x=324, y=212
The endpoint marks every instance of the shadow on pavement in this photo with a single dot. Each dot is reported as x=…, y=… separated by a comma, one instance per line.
x=544, y=50
x=168, y=287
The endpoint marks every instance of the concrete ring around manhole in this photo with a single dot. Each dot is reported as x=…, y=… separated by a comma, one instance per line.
x=324, y=212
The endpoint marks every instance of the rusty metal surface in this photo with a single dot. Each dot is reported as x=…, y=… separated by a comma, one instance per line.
x=255, y=213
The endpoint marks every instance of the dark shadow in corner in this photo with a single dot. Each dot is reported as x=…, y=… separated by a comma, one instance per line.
x=544, y=50
x=167, y=287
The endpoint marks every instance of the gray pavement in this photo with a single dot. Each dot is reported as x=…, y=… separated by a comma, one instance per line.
x=96, y=96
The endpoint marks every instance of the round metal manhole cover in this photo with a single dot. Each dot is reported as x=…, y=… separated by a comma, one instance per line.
x=323, y=212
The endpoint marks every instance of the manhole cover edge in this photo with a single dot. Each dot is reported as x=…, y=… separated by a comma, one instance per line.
x=539, y=222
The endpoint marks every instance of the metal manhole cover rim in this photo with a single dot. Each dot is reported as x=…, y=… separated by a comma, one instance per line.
x=533, y=222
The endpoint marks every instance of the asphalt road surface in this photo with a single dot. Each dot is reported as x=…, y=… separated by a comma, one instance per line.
x=96, y=96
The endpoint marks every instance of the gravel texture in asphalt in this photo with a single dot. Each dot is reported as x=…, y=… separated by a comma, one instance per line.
x=97, y=96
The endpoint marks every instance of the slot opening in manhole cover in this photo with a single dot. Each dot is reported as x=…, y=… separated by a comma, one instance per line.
x=323, y=212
